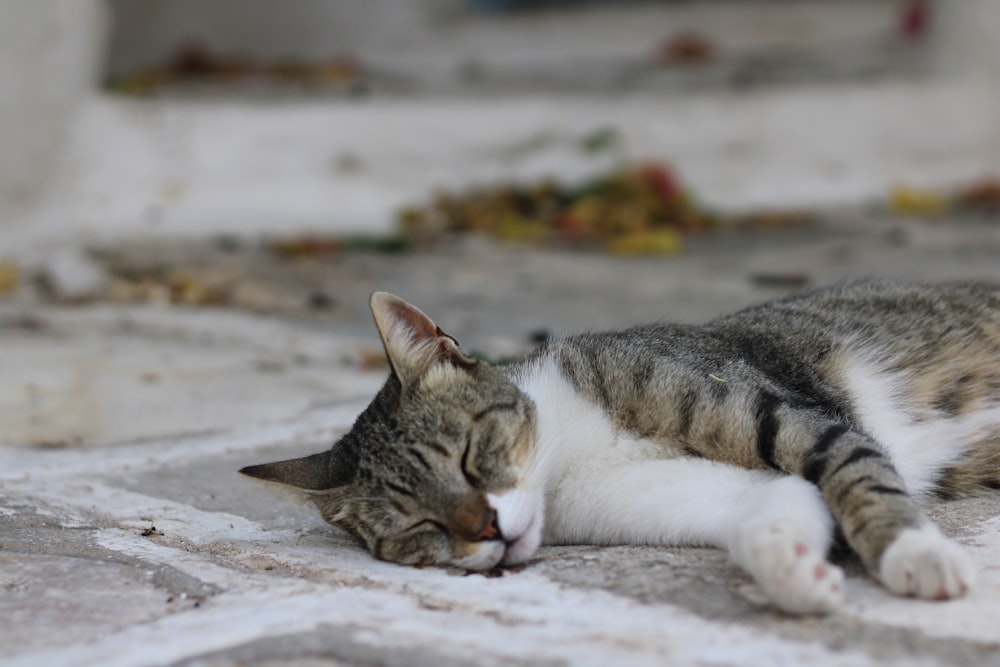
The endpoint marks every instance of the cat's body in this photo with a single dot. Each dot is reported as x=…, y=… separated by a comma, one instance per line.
x=758, y=433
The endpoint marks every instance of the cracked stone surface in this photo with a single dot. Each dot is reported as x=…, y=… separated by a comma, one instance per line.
x=127, y=538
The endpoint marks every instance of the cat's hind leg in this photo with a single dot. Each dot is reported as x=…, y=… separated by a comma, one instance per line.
x=781, y=536
x=881, y=521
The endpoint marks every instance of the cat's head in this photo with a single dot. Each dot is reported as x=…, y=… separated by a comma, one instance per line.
x=438, y=468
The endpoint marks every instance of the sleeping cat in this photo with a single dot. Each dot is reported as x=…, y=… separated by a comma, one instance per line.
x=759, y=433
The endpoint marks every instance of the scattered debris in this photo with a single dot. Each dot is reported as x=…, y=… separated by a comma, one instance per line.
x=371, y=358
x=181, y=288
x=636, y=210
x=494, y=573
x=687, y=48
x=320, y=301
x=308, y=246
x=195, y=63
x=601, y=140
x=539, y=336
x=981, y=197
x=201, y=287
x=914, y=201
x=260, y=297
x=9, y=277
x=316, y=246
x=654, y=242
x=640, y=209
x=151, y=531
x=914, y=20
x=24, y=323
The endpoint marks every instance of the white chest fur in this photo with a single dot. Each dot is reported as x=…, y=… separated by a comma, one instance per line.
x=602, y=486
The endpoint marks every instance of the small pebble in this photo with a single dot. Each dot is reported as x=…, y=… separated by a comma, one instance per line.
x=780, y=280
x=539, y=336
x=320, y=301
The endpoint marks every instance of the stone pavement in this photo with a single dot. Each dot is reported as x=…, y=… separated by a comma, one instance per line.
x=127, y=538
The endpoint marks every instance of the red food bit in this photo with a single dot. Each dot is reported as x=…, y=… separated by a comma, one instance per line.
x=661, y=180
x=914, y=19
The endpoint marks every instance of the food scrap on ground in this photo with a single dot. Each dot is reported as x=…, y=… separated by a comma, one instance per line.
x=372, y=358
x=9, y=277
x=908, y=200
x=151, y=531
x=317, y=246
x=194, y=63
x=687, y=48
x=201, y=287
x=980, y=197
x=641, y=209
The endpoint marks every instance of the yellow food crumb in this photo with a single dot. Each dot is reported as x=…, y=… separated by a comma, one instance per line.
x=652, y=242
x=9, y=277
x=914, y=201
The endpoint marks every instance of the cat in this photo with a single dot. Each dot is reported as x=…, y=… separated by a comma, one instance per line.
x=764, y=433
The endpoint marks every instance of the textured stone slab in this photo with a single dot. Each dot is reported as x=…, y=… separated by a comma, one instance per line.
x=253, y=566
x=137, y=543
x=113, y=375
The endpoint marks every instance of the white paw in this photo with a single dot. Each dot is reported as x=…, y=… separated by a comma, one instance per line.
x=924, y=563
x=795, y=576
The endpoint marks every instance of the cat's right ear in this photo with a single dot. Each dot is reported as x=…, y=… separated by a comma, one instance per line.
x=317, y=472
x=413, y=343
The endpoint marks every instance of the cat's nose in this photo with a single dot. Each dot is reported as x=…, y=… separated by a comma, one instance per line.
x=476, y=521
x=491, y=528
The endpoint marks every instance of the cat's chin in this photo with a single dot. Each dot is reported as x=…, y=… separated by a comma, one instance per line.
x=487, y=556
x=522, y=548
x=519, y=515
x=514, y=552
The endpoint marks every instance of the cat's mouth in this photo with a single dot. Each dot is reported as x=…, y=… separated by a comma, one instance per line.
x=518, y=536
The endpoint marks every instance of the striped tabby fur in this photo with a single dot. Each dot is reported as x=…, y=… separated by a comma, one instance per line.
x=759, y=432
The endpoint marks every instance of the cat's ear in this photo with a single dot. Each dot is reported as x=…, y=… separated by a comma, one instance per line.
x=413, y=343
x=317, y=472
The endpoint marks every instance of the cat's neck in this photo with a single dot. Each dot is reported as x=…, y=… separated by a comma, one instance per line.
x=570, y=427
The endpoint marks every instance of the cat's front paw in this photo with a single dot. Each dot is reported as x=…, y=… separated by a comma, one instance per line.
x=922, y=562
x=795, y=577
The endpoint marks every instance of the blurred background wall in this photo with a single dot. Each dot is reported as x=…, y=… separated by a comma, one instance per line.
x=50, y=56
x=757, y=103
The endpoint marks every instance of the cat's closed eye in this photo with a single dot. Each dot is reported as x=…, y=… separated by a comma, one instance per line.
x=424, y=525
x=469, y=470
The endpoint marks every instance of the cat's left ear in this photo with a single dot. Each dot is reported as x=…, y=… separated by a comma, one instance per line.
x=317, y=472
x=413, y=343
